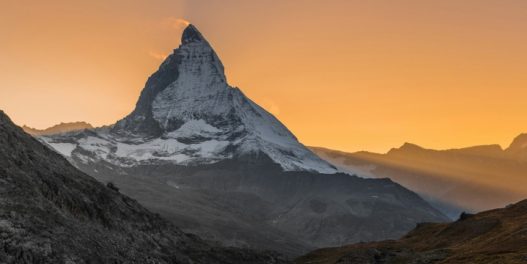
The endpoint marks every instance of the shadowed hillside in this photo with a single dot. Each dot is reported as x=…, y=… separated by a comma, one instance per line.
x=52, y=213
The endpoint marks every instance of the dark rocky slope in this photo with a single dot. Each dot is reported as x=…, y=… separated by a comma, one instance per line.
x=495, y=236
x=52, y=213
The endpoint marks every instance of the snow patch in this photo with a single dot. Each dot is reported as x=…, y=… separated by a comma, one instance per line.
x=193, y=128
x=64, y=149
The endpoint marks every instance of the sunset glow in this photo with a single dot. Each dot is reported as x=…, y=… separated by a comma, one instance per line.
x=354, y=75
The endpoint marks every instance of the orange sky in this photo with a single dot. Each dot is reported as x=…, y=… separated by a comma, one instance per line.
x=349, y=75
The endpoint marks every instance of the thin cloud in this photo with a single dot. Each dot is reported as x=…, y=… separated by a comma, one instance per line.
x=169, y=23
x=176, y=23
x=157, y=55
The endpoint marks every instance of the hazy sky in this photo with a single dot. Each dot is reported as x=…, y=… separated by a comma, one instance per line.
x=348, y=75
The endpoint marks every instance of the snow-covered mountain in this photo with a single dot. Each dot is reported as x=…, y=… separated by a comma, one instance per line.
x=203, y=155
x=188, y=114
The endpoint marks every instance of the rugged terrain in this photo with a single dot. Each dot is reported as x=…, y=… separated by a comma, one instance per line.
x=468, y=179
x=495, y=236
x=52, y=213
x=203, y=155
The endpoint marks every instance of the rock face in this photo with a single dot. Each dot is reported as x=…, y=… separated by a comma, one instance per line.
x=52, y=213
x=495, y=236
x=455, y=180
x=205, y=156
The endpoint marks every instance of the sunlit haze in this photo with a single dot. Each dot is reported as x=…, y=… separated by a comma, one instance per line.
x=351, y=75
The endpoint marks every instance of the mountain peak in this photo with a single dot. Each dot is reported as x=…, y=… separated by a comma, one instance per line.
x=191, y=34
x=518, y=148
x=189, y=107
x=3, y=116
x=519, y=142
x=410, y=147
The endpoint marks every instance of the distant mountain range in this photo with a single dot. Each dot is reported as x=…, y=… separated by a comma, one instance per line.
x=468, y=179
x=495, y=236
x=57, y=129
x=206, y=157
x=50, y=212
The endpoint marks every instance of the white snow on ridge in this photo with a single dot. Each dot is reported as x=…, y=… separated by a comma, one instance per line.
x=96, y=145
x=192, y=128
x=64, y=149
x=168, y=149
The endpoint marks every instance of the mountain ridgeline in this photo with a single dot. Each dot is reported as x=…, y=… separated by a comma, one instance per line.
x=57, y=129
x=203, y=155
x=468, y=179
